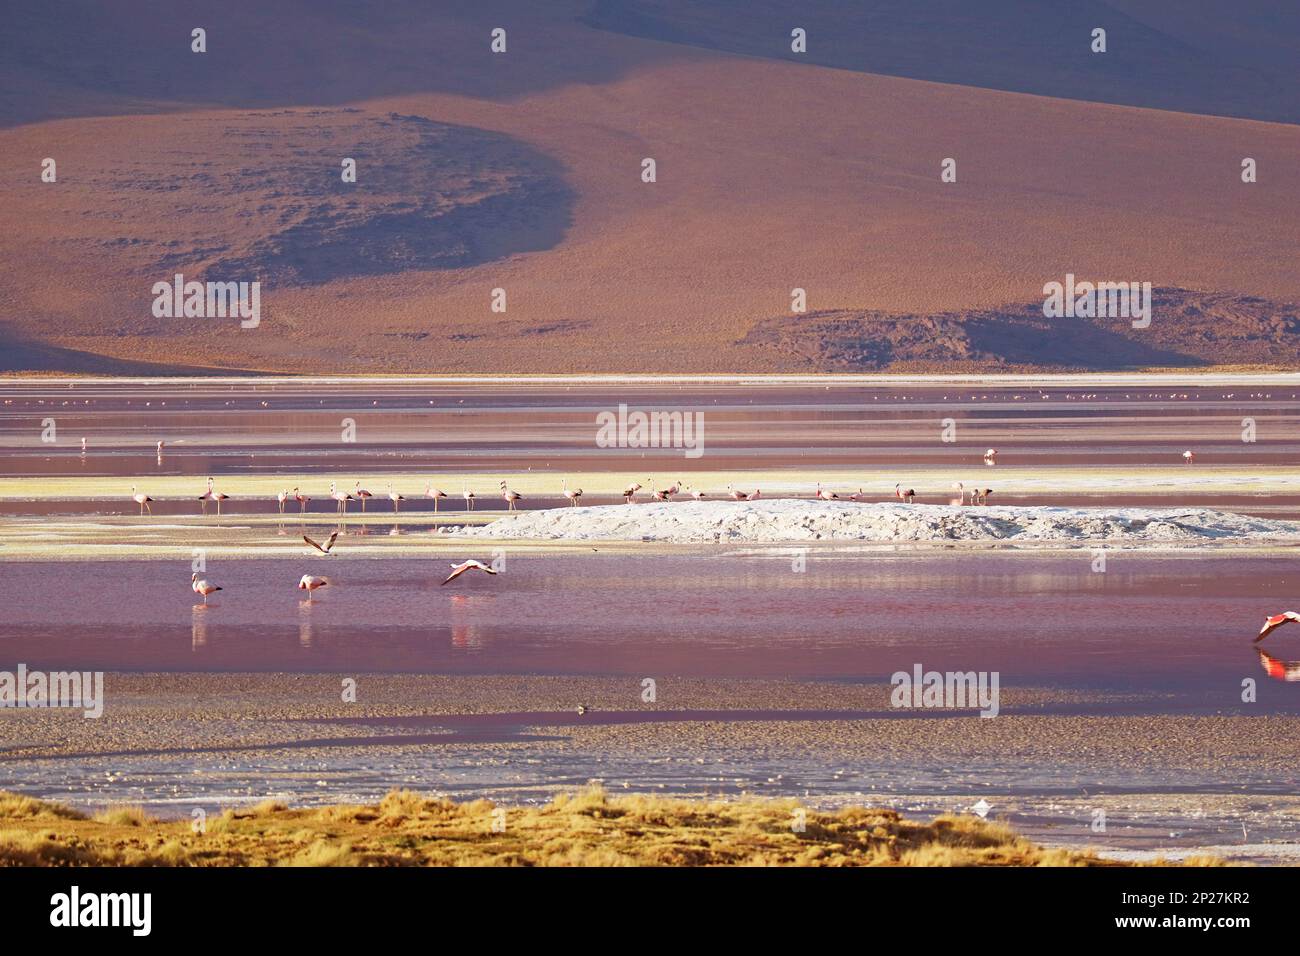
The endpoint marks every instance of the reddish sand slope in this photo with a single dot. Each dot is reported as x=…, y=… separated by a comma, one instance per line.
x=522, y=172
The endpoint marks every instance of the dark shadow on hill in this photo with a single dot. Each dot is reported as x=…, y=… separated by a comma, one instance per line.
x=1188, y=330
x=21, y=355
x=1215, y=57
x=90, y=58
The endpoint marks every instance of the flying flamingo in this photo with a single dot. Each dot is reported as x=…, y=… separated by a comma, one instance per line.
x=458, y=569
x=630, y=491
x=1188, y=456
x=904, y=495
x=341, y=497
x=435, y=494
x=573, y=495
x=394, y=497
x=301, y=499
x=142, y=500
x=361, y=493
x=325, y=548
x=467, y=495
x=511, y=497
x=309, y=584
x=825, y=494
x=1277, y=620
x=280, y=499
x=202, y=587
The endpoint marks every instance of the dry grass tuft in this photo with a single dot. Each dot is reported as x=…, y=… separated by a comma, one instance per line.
x=585, y=828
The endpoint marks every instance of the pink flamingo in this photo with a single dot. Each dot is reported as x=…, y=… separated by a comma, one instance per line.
x=825, y=494
x=1188, y=456
x=341, y=497
x=511, y=497
x=904, y=495
x=697, y=494
x=1277, y=620
x=435, y=494
x=301, y=499
x=202, y=587
x=394, y=497
x=467, y=495
x=961, y=493
x=991, y=455
x=361, y=493
x=309, y=584
x=142, y=500
x=572, y=494
x=211, y=495
x=630, y=491
x=471, y=565
x=735, y=495
x=280, y=499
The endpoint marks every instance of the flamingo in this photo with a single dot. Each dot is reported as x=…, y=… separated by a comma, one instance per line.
x=573, y=495
x=467, y=495
x=280, y=499
x=361, y=493
x=341, y=497
x=202, y=587
x=735, y=495
x=758, y=493
x=825, y=494
x=1188, y=456
x=1277, y=620
x=394, y=497
x=904, y=495
x=211, y=495
x=981, y=493
x=458, y=569
x=142, y=500
x=658, y=495
x=630, y=491
x=511, y=497
x=674, y=490
x=327, y=547
x=83, y=446
x=301, y=499
x=991, y=455
x=309, y=584
x=435, y=494
x=697, y=494
x=961, y=493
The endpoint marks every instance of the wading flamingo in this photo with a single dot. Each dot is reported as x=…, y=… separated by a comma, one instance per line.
x=394, y=497
x=301, y=499
x=458, y=569
x=1277, y=620
x=630, y=491
x=904, y=494
x=982, y=494
x=825, y=494
x=435, y=494
x=511, y=497
x=142, y=500
x=341, y=497
x=991, y=456
x=572, y=494
x=697, y=494
x=309, y=584
x=280, y=499
x=735, y=495
x=361, y=493
x=467, y=495
x=211, y=495
x=1188, y=456
x=758, y=493
x=961, y=493
x=202, y=587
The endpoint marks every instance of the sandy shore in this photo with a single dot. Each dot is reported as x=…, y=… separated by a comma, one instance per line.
x=177, y=741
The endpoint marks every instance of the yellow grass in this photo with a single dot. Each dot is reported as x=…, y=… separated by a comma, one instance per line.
x=588, y=828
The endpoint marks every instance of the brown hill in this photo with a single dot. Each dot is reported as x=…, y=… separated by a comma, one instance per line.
x=522, y=172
